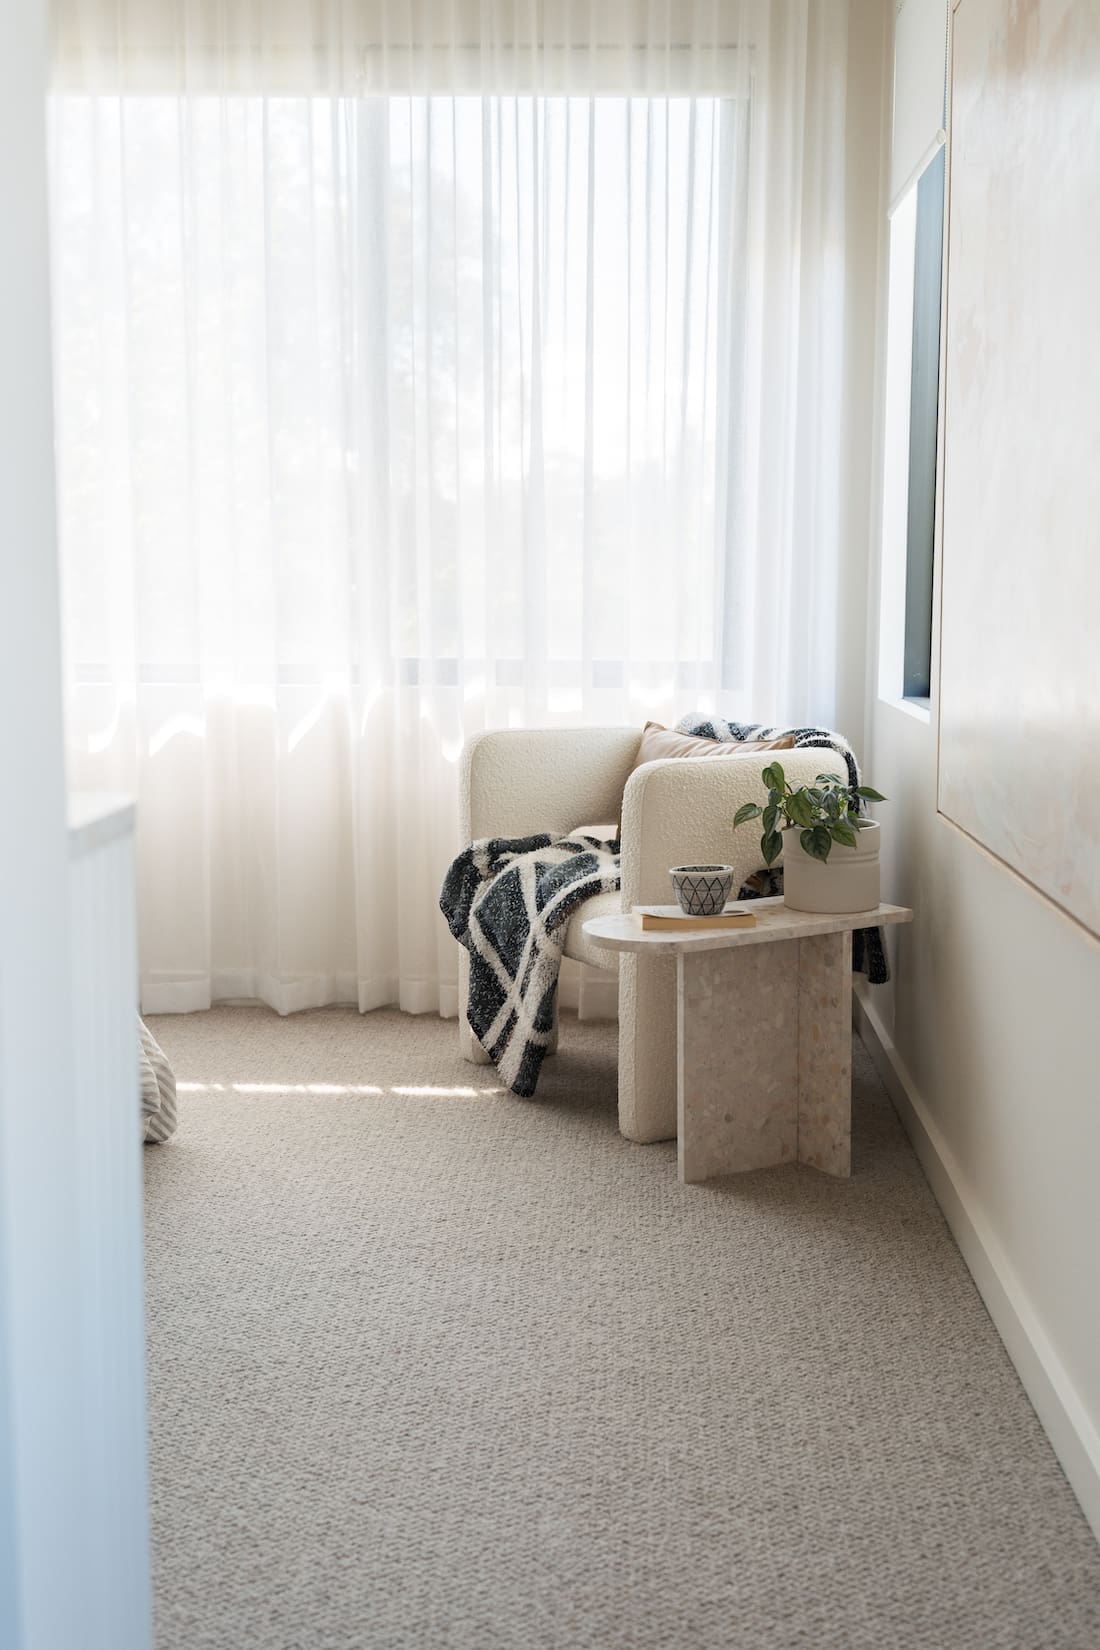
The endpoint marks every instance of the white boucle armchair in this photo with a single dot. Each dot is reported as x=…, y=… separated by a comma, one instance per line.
x=673, y=812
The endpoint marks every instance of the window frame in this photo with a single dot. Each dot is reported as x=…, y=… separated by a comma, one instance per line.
x=911, y=429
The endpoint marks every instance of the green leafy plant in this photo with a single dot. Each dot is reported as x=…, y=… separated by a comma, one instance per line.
x=825, y=812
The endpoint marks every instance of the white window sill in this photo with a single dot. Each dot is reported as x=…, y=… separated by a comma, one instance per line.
x=919, y=709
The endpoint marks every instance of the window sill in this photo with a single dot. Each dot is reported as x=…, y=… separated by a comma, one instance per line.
x=919, y=709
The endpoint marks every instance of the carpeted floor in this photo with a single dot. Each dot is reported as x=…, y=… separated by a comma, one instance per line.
x=433, y=1367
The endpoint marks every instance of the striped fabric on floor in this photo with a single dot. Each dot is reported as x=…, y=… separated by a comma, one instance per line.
x=158, y=1089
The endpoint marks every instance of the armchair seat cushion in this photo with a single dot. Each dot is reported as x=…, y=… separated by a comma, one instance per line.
x=577, y=943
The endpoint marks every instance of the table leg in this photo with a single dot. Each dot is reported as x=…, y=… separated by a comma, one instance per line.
x=738, y=1058
x=764, y=1057
x=825, y=1052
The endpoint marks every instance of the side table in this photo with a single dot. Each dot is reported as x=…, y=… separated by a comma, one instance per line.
x=764, y=1034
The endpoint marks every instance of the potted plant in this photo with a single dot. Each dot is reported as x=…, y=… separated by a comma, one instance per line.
x=830, y=852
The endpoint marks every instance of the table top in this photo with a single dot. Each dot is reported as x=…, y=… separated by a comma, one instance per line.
x=774, y=921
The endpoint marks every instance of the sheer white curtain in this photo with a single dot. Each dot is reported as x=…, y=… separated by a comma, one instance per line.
x=422, y=369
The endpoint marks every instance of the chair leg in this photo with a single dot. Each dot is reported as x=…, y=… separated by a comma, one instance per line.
x=468, y=1045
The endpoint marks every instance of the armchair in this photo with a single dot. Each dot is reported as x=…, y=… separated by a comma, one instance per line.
x=673, y=812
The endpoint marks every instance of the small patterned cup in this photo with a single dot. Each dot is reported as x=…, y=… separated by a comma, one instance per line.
x=702, y=890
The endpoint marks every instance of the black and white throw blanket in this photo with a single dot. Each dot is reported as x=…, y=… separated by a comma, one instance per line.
x=508, y=900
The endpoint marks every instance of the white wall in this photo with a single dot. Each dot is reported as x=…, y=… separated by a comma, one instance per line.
x=44, y=1516
x=987, y=1037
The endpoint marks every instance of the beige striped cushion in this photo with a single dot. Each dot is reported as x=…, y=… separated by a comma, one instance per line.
x=158, y=1089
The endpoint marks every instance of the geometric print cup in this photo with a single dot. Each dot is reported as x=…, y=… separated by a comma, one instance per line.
x=702, y=890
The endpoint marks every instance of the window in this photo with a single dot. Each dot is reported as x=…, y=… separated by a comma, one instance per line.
x=447, y=372
x=924, y=398
x=912, y=415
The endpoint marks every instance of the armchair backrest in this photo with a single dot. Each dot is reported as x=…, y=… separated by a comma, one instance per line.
x=517, y=781
x=678, y=812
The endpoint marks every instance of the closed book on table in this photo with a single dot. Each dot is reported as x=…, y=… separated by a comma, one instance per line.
x=671, y=917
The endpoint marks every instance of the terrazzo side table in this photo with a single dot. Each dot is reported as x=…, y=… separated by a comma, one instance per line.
x=764, y=1035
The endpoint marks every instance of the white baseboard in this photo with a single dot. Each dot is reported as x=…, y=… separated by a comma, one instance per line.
x=1067, y=1423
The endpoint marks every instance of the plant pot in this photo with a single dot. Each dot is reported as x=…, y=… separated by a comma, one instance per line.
x=702, y=890
x=847, y=881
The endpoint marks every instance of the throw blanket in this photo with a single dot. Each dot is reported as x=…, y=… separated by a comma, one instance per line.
x=509, y=900
x=868, y=947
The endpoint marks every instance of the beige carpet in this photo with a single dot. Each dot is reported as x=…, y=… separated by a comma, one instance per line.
x=433, y=1367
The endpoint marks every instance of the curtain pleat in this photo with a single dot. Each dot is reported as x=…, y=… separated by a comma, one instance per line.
x=422, y=369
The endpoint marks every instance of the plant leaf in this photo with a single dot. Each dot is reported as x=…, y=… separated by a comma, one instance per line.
x=747, y=810
x=800, y=808
x=771, y=846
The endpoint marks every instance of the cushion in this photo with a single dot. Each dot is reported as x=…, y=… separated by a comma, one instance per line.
x=608, y=832
x=658, y=742
x=158, y=1089
x=577, y=943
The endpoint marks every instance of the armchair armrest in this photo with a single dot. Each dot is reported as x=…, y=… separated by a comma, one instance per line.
x=516, y=781
x=678, y=812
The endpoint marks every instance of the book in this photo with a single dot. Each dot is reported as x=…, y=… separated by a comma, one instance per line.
x=671, y=916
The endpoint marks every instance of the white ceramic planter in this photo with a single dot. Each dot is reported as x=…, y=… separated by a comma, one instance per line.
x=847, y=881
